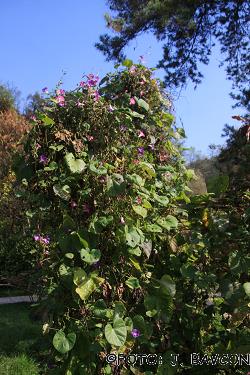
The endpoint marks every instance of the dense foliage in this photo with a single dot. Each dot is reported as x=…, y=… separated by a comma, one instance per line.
x=124, y=268
x=188, y=30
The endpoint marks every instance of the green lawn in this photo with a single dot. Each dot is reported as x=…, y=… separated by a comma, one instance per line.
x=18, y=340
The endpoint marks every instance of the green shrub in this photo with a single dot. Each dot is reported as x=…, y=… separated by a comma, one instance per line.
x=123, y=268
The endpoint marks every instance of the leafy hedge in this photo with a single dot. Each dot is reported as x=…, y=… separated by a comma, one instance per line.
x=124, y=269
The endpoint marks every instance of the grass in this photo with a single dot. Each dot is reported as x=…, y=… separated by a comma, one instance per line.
x=18, y=339
x=12, y=292
x=18, y=365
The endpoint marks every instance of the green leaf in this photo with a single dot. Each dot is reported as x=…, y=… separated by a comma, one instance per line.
x=46, y=120
x=128, y=63
x=98, y=170
x=135, y=251
x=62, y=343
x=62, y=191
x=141, y=103
x=147, y=248
x=154, y=228
x=115, y=185
x=74, y=165
x=167, y=285
x=132, y=283
x=119, y=310
x=170, y=222
x=116, y=335
x=136, y=114
x=79, y=276
x=51, y=167
x=164, y=201
x=140, y=210
x=135, y=263
x=246, y=287
x=90, y=256
x=132, y=236
x=135, y=179
x=148, y=169
x=88, y=286
x=100, y=310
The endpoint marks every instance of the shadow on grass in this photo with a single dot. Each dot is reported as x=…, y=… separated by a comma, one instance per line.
x=21, y=340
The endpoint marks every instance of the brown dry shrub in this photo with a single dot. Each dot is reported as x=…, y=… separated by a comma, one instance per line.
x=13, y=127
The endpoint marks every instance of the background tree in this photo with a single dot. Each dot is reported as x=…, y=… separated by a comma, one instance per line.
x=189, y=30
x=34, y=104
x=9, y=97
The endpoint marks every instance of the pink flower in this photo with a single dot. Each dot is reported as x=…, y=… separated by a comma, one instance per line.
x=122, y=221
x=142, y=82
x=141, y=134
x=96, y=96
x=90, y=138
x=123, y=128
x=110, y=108
x=33, y=118
x=142, y=93
x=132, y=101
x=60, y=100
x=138, y=200
x=73, y=204
x=60, y=92
x=45, y=240
x=37, y=237
x=132, y=70
x=135, y=161
x=82, y=84
x=79, y=104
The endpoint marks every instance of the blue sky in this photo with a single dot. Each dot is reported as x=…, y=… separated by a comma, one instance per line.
x=42, y=38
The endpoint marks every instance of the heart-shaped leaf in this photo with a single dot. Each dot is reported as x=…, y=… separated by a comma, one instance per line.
x=116, y=335
x=63, y=343
x=62, y=191
x=170, y=222
x=140, y=210
x=74, y=165
x=90, y=256
x=132, y=283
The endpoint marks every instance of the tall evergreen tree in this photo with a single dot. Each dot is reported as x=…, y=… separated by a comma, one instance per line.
x=189, y=29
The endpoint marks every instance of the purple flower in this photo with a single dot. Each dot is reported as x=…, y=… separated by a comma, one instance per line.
x=92, y=80
x=43, y=159
x=86, y=208
x=96, y=264
x=140, y=150
x=45, y=240
x=110, y=108
x=73, y=204
x=123, y=128
x=45, y=90
x=152, y=146
x=37, y=237
x=96, y=96
x=135, y=332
